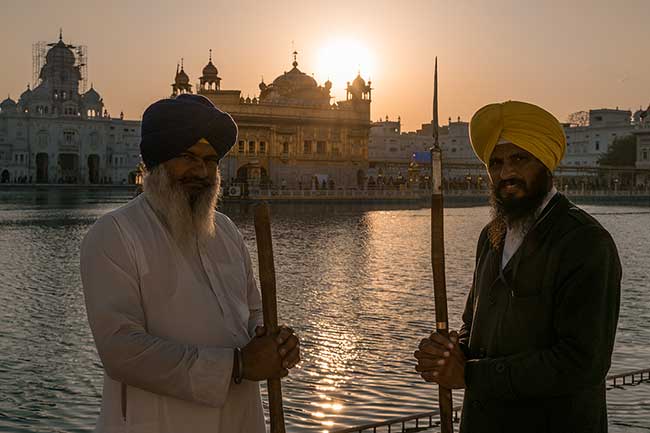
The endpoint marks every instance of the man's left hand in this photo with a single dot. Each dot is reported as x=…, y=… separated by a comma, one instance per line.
x=440, y=360
x=288, y=345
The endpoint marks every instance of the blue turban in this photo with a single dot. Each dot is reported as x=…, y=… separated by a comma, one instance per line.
x=170, y=126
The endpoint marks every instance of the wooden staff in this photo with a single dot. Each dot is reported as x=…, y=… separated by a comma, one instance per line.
x=269, y=306
x=438, y=255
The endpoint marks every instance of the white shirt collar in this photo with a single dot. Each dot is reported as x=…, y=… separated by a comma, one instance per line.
x=515, y=236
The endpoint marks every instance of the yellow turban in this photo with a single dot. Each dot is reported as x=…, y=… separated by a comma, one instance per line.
x=525, y=125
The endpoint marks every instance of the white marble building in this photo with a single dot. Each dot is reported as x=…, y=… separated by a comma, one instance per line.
x=587, y=144
x=390, y=150
x=642, y=132
x=55, y=134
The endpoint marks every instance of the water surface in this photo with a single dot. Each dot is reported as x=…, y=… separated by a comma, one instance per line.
x=354, y=282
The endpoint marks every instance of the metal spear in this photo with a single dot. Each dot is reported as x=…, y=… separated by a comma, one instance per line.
x=438, y=255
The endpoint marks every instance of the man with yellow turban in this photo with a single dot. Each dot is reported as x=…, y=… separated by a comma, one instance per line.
x=539, y=324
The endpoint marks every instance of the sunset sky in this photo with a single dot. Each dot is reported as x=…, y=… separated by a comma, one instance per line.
x=564, y=55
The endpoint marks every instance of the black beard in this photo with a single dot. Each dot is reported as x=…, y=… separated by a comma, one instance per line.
x=520, y=212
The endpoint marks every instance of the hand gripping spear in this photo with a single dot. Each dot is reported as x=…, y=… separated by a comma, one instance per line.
x=269, y=306
x=438, y=254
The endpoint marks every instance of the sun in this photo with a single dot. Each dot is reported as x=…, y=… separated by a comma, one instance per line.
x=340, y=61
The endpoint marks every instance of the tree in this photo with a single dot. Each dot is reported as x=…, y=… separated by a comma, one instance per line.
x=579, y=118
x=622, y=152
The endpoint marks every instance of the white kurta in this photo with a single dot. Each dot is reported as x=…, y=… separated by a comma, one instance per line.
x=165, y=324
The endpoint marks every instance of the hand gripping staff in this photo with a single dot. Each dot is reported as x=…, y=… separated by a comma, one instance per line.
x=269, y=306
x=438, y=255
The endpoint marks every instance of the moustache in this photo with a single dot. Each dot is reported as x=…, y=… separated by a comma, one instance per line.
x=520, y=183
x=202, y=182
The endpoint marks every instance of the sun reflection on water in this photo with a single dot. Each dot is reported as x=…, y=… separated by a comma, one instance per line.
x=354, y=283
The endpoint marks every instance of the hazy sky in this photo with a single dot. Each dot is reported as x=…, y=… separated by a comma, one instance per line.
x=564, y=55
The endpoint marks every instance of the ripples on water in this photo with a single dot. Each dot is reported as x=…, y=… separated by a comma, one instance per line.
x=355, y=283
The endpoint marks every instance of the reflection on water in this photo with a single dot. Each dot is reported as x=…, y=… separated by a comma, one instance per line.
x=355, y=283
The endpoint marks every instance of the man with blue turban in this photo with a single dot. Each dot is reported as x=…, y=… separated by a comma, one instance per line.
x=539, y=324
x=170, y=293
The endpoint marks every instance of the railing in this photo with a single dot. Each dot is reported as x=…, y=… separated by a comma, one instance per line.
x=428, y=420
x=409, y=194
x=410, y=423
x=611, y=192
x=629, y=378
x=334, y=194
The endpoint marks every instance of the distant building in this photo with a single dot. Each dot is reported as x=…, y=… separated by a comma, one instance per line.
x=461, y=166
x=587, y=144
x=292, y=135
x=55, y=134
x=390, y=151
x=454, y=141
x=642, y=132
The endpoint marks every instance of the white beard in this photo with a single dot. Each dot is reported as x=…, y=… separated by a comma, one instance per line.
x=187, y=217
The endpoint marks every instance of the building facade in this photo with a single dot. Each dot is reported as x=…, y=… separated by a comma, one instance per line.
x=587, y=144
x=390, y=151
x=55, y=134
x=642, y=133
x=291, y=135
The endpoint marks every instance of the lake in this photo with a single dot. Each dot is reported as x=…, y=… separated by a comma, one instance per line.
x=353, y=281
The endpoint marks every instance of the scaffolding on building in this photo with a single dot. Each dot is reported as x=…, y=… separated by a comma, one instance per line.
x=81, y=54
x=39, y=50
x=39, y=53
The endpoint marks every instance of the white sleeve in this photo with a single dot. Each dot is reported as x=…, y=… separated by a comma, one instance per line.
x=130, y=354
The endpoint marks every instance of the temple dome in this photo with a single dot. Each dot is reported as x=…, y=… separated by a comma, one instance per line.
x=91, y=96
x=210, y=70
x=8, y=104
x=182, y=78
x=295, y=79
x=26, y=94
x=294, y=88
x=60, y=54
x=359, y=82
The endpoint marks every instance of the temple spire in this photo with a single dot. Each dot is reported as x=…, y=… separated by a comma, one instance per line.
x=295, y=59
x=60, y=33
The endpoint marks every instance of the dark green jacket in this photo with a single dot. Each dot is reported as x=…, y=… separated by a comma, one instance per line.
x=539, y=334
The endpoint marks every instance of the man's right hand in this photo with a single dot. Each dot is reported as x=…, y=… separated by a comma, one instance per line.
x=262, y=360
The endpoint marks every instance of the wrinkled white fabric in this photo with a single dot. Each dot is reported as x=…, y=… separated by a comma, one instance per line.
x=166, y=322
